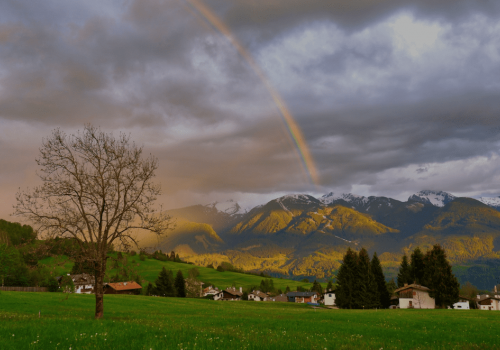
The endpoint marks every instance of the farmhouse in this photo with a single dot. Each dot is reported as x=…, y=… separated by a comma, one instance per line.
x=415, y=296
x=257, y=295
x=210, y=291
x=230, y=294
x=302, y=297
x=462, y=304
x=279, y=298
x=489, y=303
x=84, y=283
x=122, y=288
x=329, y=298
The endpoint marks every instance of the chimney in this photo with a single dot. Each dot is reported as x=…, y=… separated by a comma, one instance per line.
x=406, y=285
x=241, y=289
x=478, y=296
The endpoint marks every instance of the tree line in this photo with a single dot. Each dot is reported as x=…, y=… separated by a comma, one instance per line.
x=168, y=286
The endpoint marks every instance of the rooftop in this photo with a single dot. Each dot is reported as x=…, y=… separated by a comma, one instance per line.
x=124, y=285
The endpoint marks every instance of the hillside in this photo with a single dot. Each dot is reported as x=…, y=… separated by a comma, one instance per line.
x=150, y=268
x=299, y=236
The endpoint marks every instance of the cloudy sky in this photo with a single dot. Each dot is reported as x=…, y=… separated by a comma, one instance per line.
x=392, y=96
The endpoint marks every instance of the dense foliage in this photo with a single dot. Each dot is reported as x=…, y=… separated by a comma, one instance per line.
x=15, y=233
x=361, y=282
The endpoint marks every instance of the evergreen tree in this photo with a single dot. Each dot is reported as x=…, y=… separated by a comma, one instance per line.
x=150, y=289
x=329, y=286
x=391, y=286
x=317, y=287
x=344, y=294
x=366, y=294
x=287, y=289
x=439, y=277
x=165, y=284
x=417, y=267
x=383, y=293
x=180, y=285
x=404, y=275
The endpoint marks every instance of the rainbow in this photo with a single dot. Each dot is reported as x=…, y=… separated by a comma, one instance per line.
x=291, y=125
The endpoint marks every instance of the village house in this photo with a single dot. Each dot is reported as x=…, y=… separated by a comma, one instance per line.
x=302, y=297
x=278, y=298
x=415, y=296
x=122, y=288
x=210, y=290
x=329, y=298
x=84, y=283
x=487, y=302
x=257, y=295
x=462, y=304
x=229, y=294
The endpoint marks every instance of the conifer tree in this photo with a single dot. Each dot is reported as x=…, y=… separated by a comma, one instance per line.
x=317, y=287
x=180, y=285
x=165, y=284
x=417, y=267
x=344, y=294
x=404, y=275
x=366, y=295
x=329, y=286
x=287, y=289
x=150, y=289
x=383, y=293
x=439, y=277
x=391, y=286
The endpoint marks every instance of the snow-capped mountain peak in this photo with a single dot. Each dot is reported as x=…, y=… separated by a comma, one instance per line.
x=436, y=198
x=491, y=201
x=229, y=207
x=348, y=197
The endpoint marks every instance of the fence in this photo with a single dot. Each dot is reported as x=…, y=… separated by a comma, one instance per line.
x=24, y=289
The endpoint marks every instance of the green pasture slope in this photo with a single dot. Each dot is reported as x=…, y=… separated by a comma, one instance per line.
x=139, y=322
x=150, y=268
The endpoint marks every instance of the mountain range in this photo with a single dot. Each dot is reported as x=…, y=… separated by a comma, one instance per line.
x=301, y=236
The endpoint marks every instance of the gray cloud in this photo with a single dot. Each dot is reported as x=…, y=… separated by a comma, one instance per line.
x=392, y=96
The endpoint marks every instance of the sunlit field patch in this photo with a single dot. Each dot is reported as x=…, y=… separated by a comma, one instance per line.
x=138, y=322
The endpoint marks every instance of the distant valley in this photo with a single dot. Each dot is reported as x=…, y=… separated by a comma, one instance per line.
x=300, y=236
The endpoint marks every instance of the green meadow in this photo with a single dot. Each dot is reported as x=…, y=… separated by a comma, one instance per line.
x=150, y=268
x=140, y=322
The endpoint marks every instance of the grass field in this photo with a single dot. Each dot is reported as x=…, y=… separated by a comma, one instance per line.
x=139, y=322
x=150, y=268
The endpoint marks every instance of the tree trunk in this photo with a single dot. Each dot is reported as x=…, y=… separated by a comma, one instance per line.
x=99, y=292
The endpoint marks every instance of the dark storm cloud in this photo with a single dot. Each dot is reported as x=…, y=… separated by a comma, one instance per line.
x=379, y=111
x=276, y=16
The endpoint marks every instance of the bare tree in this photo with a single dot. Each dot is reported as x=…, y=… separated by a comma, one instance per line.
x=95, y=188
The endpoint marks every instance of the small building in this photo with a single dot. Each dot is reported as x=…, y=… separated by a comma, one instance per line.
x=302, y=297
x=129, y=287
x=415, y=296
x=329, y=298
x=278, y=298
x=84, y=283
x=230, y=294
x=462, y=304
x=257, y=295
x=210, y=290
x=491, y=303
